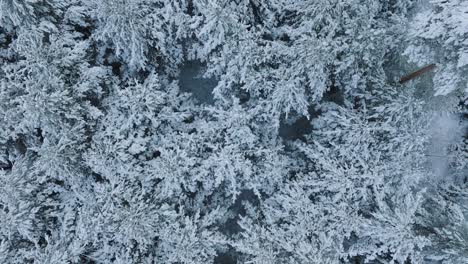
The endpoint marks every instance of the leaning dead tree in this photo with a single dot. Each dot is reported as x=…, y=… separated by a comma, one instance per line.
x=416, y=73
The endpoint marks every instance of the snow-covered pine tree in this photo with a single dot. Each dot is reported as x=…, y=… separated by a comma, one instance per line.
x=144, y=34
x=438, y=34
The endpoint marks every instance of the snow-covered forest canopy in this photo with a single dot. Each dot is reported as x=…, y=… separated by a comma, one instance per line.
x=233, y=131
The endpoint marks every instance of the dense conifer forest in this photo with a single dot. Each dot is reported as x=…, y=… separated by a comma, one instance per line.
x=234, y=131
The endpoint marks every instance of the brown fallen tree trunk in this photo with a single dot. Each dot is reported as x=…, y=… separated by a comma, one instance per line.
x=417, y=73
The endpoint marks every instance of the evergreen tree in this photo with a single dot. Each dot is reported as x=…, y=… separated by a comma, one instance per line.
x=439, y=35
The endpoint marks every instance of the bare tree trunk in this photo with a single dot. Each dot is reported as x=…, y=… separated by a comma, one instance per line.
x=416, y=73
